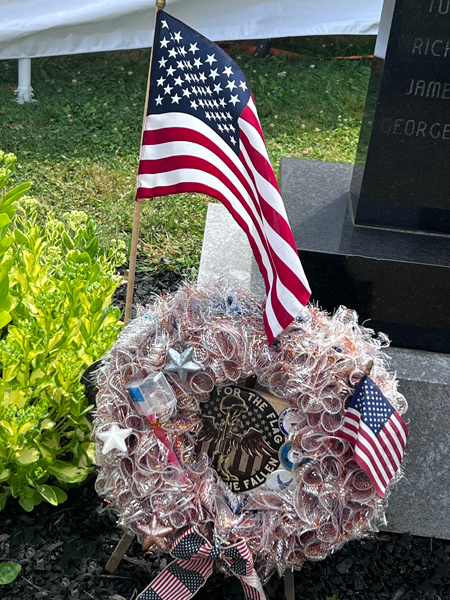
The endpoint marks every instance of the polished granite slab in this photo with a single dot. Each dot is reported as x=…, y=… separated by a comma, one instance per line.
x=401, y=177
x=398, y=282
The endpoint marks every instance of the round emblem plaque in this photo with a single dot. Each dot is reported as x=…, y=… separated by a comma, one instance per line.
x=241, y=435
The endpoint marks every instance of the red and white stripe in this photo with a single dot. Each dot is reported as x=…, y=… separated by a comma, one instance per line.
x=380, y=456
x=180, y=153
x=169, y=587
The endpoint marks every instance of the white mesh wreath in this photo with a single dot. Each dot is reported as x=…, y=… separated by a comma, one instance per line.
x=314, y=365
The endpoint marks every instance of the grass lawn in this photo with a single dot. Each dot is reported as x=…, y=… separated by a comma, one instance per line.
x=79, y=143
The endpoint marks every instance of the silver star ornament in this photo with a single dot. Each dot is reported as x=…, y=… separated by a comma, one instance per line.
x=114, y=438
x=181, y=363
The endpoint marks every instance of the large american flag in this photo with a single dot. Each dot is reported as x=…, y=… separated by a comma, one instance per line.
x=202, y=134
x=377, y=432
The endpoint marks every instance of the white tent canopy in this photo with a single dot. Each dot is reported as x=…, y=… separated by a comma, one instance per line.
x=31, y=28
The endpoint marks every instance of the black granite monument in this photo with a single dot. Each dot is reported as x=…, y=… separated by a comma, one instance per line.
x=404, y=150
x=376, y=237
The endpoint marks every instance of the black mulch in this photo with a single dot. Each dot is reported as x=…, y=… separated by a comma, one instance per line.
x=63, y=552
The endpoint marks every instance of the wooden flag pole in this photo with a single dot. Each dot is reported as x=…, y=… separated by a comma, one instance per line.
x=126, y=539
x=160, y=5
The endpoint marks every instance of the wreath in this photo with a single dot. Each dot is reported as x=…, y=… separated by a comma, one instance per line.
x=155, y=472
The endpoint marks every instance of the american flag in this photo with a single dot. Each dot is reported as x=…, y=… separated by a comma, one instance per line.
x=377, y=432
x=202, y=134
x=194, y=563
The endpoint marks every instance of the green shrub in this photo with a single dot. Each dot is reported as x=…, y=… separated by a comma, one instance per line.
x=61, y=320
x=7, y=211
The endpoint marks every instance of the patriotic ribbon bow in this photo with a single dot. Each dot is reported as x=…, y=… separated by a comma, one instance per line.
x=194, y=563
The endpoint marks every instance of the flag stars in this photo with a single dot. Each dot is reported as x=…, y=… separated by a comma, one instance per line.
x=193, y=48
x=213, y=74
x=164, y=43
x=160, y=81
x=228, y=72
x=197, y=63
x=170, y=71
x=178, y=81
x=243, y=85
x=180, y=65
x=231, y=85
x=194, y=104
x=182, y=51
x=202, y=77
x=168, y=89
x=172, y=53
x=222, y=102
x=162, y=62
x=233, y=100
x=233, y=141
x=158, y=100
x=211, y=59
x=178, y=37
x=218, y=88
x=176, y=99
x=187, y=93
x=164, y=24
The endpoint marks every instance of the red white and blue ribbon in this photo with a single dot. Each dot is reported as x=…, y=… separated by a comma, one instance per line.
x=194, y=563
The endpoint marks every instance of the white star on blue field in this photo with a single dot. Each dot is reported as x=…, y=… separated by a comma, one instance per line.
x=192, y=75
x=375, y=410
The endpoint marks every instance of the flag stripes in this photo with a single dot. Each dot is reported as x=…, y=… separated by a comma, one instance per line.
x=180, y=153
x=194, y=563
x=377, y=432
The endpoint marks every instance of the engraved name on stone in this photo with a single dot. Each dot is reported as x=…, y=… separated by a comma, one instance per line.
x=441, y=7
x=429, y=89
x=426, y=47
x=412, y=127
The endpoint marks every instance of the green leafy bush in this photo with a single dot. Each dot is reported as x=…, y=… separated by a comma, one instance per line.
x=61, y=320
x=7, y=211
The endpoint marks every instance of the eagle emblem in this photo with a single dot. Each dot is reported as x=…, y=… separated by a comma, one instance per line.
x=240, y=434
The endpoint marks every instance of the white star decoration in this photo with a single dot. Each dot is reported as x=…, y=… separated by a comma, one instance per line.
x=181, y=363
x=114, y=438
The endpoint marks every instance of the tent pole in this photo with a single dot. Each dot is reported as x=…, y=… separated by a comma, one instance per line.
x=24, y=89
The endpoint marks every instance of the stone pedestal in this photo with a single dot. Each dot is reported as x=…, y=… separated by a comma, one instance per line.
x=399, y=282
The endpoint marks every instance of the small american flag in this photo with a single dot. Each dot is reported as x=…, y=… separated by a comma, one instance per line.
x=377, y=432
x=202, y=134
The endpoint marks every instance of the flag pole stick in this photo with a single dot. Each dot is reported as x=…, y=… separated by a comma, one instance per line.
x=160, y=5
x=368, y=367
